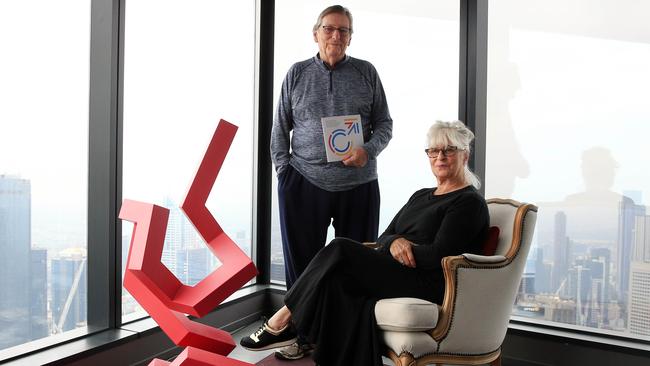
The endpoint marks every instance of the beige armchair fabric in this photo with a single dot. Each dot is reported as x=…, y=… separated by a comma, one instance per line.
x=470, y=325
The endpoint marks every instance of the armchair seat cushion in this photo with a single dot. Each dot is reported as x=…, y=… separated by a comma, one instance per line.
x=406, y=314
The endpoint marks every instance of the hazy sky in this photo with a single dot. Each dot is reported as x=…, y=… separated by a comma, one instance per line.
x=187, y=67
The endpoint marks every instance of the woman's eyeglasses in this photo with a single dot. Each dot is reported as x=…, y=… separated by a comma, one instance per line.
x=434, y=152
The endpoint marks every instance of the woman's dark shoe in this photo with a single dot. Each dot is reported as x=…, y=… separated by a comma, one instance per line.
x=266, y=338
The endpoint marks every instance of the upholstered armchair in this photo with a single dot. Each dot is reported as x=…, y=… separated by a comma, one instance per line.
x=470, y=325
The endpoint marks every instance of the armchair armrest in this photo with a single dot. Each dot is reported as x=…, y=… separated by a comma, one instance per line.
x=372, y=245
x=450, y=266
x=481, y=259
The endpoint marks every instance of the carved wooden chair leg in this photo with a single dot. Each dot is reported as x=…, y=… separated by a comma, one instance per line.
x=496, y=362
x=404, y=359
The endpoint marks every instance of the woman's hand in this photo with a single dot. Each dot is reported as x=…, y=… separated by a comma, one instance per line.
x=402, y=250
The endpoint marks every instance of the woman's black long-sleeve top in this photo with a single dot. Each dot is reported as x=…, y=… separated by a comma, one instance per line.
x=439, y=225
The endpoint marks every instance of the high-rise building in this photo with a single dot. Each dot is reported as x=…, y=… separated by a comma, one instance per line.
x=180, y=235
x=173, y=238
x=599, y=264
x=627, y=213
x=641, y=239
x=638, y=315
x=277, y=270
x=69, y=290
x=277, y=257
x=542, y=273
x=194, y=264
x=561, y=251
x=578, y=288
x=39, y=327
x=15, y=242
x=526, y=286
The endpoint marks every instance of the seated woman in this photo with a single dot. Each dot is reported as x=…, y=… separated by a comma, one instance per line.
x=332, y=303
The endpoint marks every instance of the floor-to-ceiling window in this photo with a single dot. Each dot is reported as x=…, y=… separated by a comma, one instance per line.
x=43, y=169
x=567, y=129
x=186, y=67
x=414, y=47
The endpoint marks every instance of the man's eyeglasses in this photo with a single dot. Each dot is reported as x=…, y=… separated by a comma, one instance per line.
x=447, y=151
x=329, y=30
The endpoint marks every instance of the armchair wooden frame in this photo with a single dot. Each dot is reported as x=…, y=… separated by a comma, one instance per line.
x=451, y=265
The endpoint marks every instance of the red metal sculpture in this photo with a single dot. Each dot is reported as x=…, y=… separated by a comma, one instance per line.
x=161, y=293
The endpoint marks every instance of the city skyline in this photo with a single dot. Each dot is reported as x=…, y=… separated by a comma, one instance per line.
x=584, y=284
x=587, y=283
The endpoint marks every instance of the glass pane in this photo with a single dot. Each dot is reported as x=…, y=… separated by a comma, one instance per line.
x=43, y=168
x=185, y=68
x=567, y=129
x=414, y=47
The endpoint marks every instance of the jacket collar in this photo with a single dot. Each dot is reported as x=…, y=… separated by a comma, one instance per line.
x=324, y=66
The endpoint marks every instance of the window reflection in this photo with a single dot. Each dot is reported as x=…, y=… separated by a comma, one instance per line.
x=565, y=129
x=43, y=169
x=179, y=81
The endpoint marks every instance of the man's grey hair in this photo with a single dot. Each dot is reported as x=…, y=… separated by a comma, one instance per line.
x=333, y=9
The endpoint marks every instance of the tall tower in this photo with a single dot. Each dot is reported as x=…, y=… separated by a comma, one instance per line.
x=173, y=238
x=38, y=294
x=15, y=242
x=69, y=290
x=542, y=273
x=600, y=268
x=638, y=315
x=641, y=251
x=195, y=263
x=561, y=251
x=627, y=213
x=179, y=237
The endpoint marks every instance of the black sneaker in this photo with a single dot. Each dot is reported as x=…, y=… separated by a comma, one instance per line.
x=266, y=338
x=294, y=351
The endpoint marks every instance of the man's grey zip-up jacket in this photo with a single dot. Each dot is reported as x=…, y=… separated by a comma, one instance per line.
x=310, y=91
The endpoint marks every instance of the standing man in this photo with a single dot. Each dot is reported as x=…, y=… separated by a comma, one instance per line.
x=313, y=192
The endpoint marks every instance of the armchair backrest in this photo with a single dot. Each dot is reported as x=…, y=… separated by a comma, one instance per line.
x=503, y=214
x=479, y=296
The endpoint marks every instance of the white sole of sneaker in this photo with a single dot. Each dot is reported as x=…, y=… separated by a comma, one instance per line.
x=280, y=356
x=274, y=345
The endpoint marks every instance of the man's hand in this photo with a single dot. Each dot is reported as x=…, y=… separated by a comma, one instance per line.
x=358, y=157
x=402, y=250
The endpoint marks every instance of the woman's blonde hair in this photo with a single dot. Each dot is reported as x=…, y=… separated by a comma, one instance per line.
x=454, y=133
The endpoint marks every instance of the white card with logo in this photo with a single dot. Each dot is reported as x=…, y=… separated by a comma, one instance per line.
x=341, y=134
